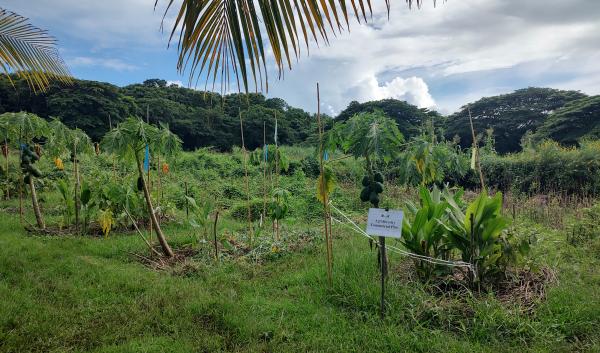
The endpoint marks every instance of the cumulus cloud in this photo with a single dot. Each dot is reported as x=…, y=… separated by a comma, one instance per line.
x=414, y=90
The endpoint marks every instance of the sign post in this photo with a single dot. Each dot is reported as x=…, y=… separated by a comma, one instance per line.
x=384, y=223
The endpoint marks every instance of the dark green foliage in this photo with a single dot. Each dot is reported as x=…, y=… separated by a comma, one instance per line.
x=408, y=117
x=509, y=115
x=199, y=118
x=575, y=121
x=548, y=167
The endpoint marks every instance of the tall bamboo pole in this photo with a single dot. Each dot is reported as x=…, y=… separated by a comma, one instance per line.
x=114, y=166
x=76, y=177
x=276, y=221
x=7, y=167
x=323, y=191
x=149, y=180
x=476, y=150
x=264, y=163
x=245, y=155
x=20, y=177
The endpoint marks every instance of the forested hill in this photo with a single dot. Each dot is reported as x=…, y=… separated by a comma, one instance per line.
x=199, y=118
x=544, y=113
x=207, y=119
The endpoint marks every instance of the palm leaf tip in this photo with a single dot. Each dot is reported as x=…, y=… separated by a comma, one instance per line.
x=29, y=52
x=225, y=39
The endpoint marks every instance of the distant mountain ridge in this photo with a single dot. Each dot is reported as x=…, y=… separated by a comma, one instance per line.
x=204, y=119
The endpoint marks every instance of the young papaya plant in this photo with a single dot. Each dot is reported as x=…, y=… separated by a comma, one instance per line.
x=279, y=207
x=63, y=140
x=128, y=141
x=201, y=219
x=376, y=138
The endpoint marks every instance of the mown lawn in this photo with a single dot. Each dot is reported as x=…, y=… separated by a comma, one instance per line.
x=77, y=294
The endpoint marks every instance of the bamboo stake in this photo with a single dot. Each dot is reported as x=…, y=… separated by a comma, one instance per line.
x=264, y=163
x=327, y=220
x=76, y=177
x=477, y=161
x=114, y=167
x=215, y=236
x=148, y=177
x=245, y=154
x=7, y=167
x=20, y=178
x=276, y=221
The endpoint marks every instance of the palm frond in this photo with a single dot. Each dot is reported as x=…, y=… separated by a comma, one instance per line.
x=220, y=37
x=29, y=52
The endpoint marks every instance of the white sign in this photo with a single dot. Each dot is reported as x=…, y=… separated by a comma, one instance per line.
x=385, y=223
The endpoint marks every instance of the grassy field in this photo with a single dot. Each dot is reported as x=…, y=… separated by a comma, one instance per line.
x=92, y=294
x=83, y=294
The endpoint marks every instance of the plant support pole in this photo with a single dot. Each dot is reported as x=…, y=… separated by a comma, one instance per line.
x=476, y=151
x=326, y=217
x=215, y=236
x=245, y=155
x=383, y=263
x=7, y=152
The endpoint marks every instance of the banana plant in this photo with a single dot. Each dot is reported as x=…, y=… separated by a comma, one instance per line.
x=425, y=234
x=128, y=141
x=478, y=233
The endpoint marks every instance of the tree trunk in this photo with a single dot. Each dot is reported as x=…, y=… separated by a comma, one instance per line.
x=159, y=234
x=36, y=206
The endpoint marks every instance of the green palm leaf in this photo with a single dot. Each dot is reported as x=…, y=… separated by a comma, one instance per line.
x=217, y=37
x=29, y=52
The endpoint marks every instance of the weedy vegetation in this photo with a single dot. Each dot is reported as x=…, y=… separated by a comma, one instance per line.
x=123, y=250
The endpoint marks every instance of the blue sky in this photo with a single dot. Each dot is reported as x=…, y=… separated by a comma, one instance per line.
x=439, y=57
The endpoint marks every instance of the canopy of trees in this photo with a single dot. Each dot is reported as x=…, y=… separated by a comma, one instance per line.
x=409, y=118
x=200, y=118
x=509, y=115
x=575, y=121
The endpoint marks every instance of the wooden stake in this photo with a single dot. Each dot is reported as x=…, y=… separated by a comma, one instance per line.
x=245, y=154
x=187, y=209
x=148, y=177
x=215, y=236
x=276, y=221
x=326, y=213
x=476, y=151
x=114, y=167
x=20, y=178
x=7, y=167
x=76, y=177
x=264, y=163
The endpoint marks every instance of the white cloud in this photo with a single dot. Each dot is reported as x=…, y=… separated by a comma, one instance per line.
x=413, y=90
x=175, y=82
x=109, y=63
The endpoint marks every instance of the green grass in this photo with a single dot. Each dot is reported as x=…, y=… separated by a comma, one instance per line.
x=77, y=294
x=85, y=294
